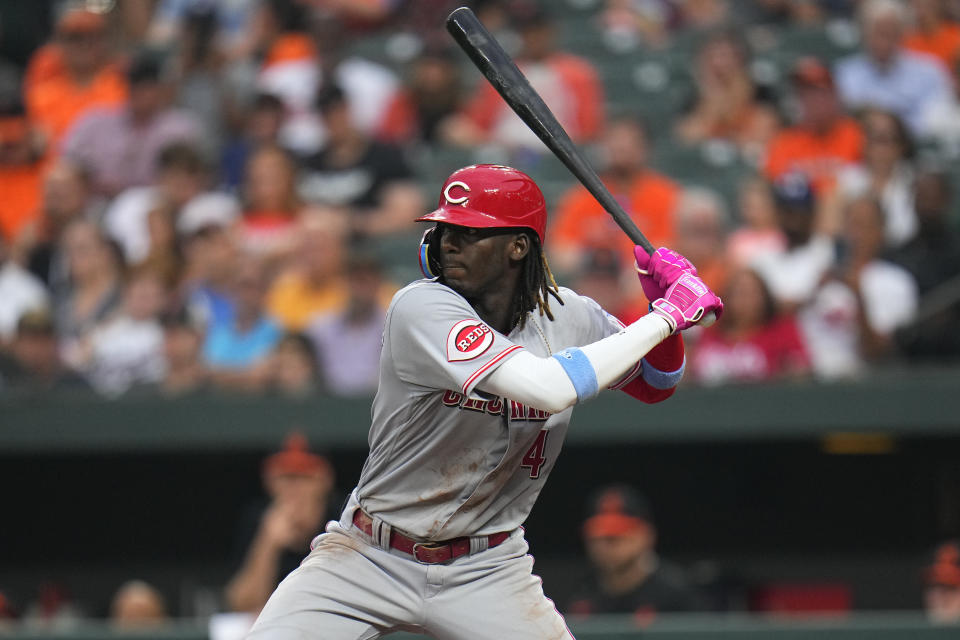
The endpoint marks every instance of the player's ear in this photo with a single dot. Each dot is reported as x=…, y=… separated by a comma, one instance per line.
x=519, y=246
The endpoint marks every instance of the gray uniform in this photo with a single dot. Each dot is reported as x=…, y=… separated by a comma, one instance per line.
x=445, y=461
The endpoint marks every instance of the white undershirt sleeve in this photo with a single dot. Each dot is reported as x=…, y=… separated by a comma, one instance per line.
x=548, y=385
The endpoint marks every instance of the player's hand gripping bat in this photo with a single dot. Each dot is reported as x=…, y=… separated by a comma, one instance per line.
x=500, y=70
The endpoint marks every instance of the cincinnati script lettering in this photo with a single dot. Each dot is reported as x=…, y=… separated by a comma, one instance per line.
x=494, y=407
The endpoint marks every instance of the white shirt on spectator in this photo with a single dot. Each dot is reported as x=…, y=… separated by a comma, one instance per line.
x=908, y=86
x=830, y=322
x=20, y=292
x=793, y=275
x=126, y=219
x=899, y=218
x=125, y=352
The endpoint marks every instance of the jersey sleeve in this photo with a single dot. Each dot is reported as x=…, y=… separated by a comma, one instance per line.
x=597, y=324
x=437, y=341
x=655, y=376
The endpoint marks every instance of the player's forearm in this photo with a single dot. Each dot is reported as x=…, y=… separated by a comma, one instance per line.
x=251, y=586
x=560, y=381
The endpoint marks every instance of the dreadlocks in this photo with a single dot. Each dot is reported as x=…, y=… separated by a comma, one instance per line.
x=536, y=285
x=534, y=288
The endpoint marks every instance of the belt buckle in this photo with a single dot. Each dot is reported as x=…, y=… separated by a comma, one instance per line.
x=428, y=549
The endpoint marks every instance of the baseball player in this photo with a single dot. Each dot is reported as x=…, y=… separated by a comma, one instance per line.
x=482, y=363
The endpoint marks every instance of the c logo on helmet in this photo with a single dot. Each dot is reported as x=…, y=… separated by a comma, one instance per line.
x=461, y=199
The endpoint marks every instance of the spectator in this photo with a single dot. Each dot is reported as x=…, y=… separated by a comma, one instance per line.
x=348, y=341
x=210, y=254
x=94, y=289
x=628, y=576
x=886, y=173
x=237, y=347
x=120, y=145
x=231, y=35
x=182, y=174
x=648, y=197
x=164, y=257
x=422, y=109
x=942, y=120
x=274, y=537
x=290, y=65
x=295, y=373
x=66, y=197
x=941, y=593
x=20, y=292
x=933, y=258
x=793, y=274
x=355, y=171
x=127, y=349
x=753, y=343
x=933, y=32
x=933, y=255
x=198, y=66
x=568, y=84
x=886, y=75
x=702, y=15
x=758, y=231
x=852, y=317
x=184, y=372
x=824, y=139
x=791, y=12
x=74, y=74
x=260, y=128
x=34, y=363
x=701, y=232
x=314, y=283
x=728, y=105
x=21, y=172
x=645, y=23
x=137, y=605
x=268, y=226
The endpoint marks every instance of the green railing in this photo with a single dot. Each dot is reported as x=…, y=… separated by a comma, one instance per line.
x=909, y=403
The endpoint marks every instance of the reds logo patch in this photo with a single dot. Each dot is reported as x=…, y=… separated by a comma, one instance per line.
x=467, y=340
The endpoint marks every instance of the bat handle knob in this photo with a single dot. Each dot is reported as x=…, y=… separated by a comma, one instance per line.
x=708, y=319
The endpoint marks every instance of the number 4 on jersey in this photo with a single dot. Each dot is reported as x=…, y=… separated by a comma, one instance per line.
x=533, y=459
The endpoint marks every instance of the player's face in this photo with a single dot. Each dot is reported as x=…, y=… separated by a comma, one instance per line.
x=476, y=261
x=615, y=553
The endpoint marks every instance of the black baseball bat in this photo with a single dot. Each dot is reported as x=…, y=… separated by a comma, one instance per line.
x=500, y=70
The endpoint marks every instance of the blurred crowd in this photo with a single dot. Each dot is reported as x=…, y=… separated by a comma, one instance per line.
x=211, y=195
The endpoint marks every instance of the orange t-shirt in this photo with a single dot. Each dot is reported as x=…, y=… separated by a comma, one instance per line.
x=45, y=63
x=55, y=103
x=818, y=156
x=578, y=78
x=20, y=204
x=943, y=43
x=650, y=201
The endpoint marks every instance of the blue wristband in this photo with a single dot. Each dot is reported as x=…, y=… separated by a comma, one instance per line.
x=662, y=379
x=578, y=368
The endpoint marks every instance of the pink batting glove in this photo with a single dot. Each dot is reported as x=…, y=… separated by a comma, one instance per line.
x=660, y=270
x=687, y=302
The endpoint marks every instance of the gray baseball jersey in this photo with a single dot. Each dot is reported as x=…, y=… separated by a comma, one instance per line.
x=446, y=460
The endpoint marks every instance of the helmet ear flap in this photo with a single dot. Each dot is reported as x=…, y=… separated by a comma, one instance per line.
x=429, y=265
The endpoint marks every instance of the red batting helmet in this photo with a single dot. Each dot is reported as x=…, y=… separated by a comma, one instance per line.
x=490, y=195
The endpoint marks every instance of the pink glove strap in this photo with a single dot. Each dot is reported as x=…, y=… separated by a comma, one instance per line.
x=686, y=302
